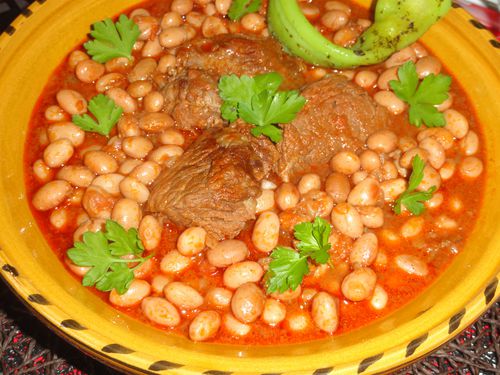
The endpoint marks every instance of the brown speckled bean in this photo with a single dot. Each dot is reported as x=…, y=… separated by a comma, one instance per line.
x=127, y=213
x=139, y=289
x=274, y=312
x=58, y=153
x=338, y=187
x=346, y=219
x=248, y=303
x=243, y=272
x=382, y=141
x=100, y=162
x=51, y=195
x=204, y=326
x=266, y=231
x=359, y=284
x=365, y=193
x=345, y=162
x=137, y=147
x=76, y=175
x=66, y=130
x=219, y=298
x=192, y=241
x=183, y=295
x=324, y=312
x=227, y=252
x=160, y=311
x=412, y=265
x=364, y=250
x=72, y=102
x=470, y=167
x=150, y=232
x=174, y=262
x=89, y=71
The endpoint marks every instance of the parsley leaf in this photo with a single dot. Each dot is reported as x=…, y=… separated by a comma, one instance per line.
x=273, y=132
x=123, y=242
x=286, y=270
x=414, y=201
x=121, y=276
x=417, y=174
x=288, y=267
x=411, y=199
x=314, y=239
x=241, y=7
x=112, y=39
x=269, y=81
x=284, y=107
x=257, y=101
x=87, y=253
x=105, y=111
x=103, y=252
x=433, y=90
x=407, y=85
x=236, y=89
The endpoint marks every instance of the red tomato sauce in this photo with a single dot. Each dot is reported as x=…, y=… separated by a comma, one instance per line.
x=437, y=248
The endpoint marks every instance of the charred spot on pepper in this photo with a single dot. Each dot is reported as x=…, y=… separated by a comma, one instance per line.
x=417, y=17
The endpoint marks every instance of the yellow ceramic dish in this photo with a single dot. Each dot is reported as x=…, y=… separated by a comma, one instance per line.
x=30, y=50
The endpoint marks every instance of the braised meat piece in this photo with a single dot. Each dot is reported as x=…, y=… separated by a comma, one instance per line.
x=242, y=54
x=215, y=182
x=192, y=100
x=191, y=95
x=338, y=116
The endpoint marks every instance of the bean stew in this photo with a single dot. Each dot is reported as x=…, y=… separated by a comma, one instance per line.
x=240, y=195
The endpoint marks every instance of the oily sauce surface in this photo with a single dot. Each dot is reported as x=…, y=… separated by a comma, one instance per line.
x=436, y=247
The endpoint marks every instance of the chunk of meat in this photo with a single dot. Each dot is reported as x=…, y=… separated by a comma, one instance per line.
x=192, y=100
x=338, y=116
x=214, y=184
x=191, y=95
x=242, y=54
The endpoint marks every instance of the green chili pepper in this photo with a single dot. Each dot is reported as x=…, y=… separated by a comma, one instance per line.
x=397, y=24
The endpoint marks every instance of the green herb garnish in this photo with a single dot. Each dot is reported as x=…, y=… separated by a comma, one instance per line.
x=288, y=267
x=241, y=7
x=105, y=111
x=104, y=252
x=423, y=97
x=286, y=270
x=112, y=39
x=257, y=101
x=411, y=199
x=313, y=239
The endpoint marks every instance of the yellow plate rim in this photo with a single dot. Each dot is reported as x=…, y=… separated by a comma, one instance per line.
x=53, y=316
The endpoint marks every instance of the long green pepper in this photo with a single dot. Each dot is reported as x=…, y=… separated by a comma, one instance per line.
x=397, y=24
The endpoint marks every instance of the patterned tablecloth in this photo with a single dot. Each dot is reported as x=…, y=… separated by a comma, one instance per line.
x=27, y=347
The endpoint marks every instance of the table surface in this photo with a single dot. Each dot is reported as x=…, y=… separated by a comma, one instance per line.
x=28, y=347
